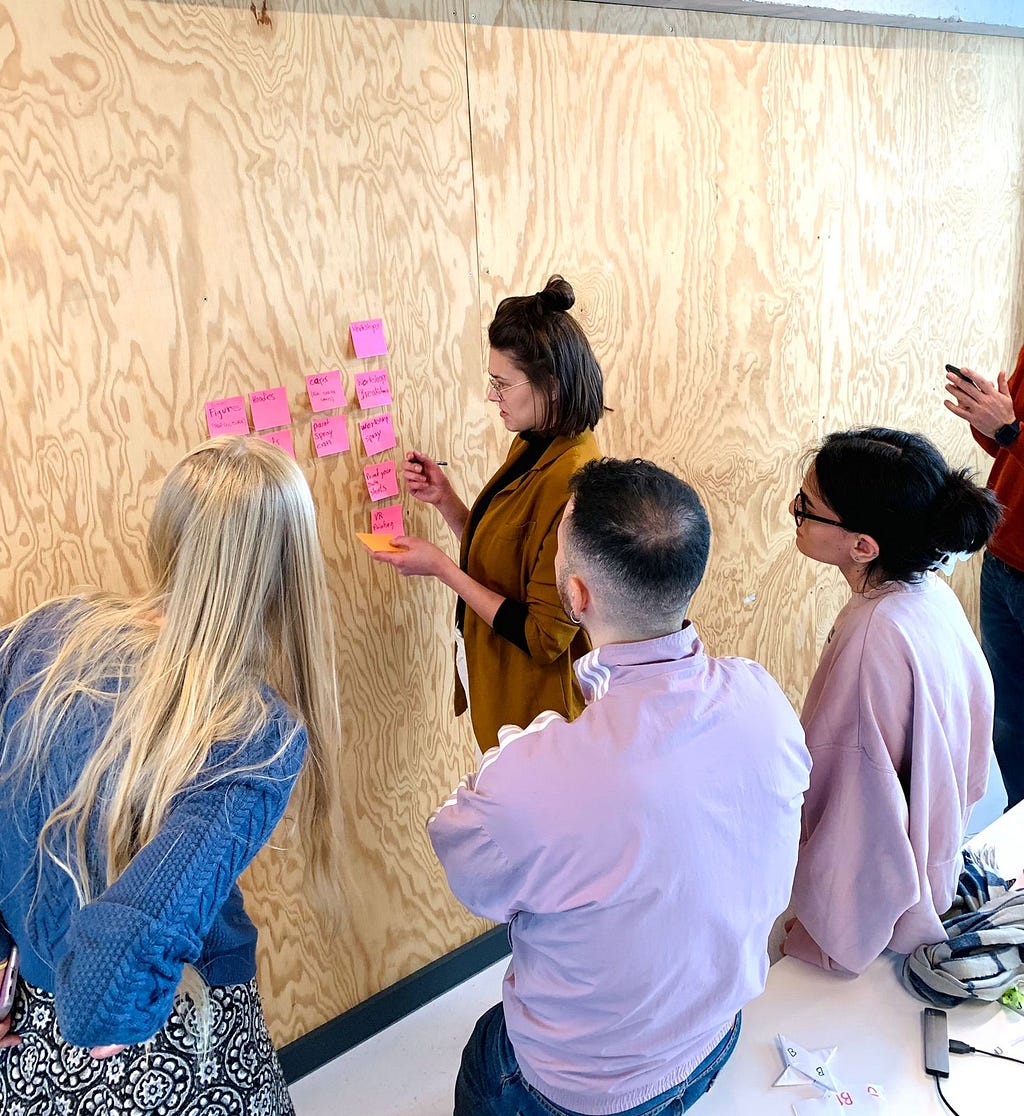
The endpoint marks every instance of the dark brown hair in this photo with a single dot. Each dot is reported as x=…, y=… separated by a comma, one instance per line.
x=896, y=487
x=550, y=348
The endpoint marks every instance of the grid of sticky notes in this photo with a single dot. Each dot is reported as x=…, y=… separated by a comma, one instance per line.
x=377, y=431
x=269, y=415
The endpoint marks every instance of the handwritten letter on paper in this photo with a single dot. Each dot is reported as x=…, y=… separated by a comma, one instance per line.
x=378, y=434
x=269, y=408
x=325, y=391
x=373, y=388
x=387, y=521
x=282, y=439
x=381, y=481
x=330, y=435
x=368, y=338
x=226, y=416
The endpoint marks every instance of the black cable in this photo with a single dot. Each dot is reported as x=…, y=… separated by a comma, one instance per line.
x=938, y=1085
x=958, y=1047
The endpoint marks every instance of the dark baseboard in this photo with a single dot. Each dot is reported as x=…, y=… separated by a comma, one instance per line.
x=352, y=1027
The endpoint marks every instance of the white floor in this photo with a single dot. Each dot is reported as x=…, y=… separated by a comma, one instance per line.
x=409, y=1069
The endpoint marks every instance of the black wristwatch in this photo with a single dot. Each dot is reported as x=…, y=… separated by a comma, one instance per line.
x=1008, y=434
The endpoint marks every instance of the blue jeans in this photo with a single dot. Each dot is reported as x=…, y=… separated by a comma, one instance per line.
x=490, y=1082
x=1002, y=640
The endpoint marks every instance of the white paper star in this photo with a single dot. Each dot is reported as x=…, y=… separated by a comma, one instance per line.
x=803, y=1065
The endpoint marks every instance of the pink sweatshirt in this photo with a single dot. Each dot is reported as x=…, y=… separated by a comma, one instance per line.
x=899, y=725
x=642, y=853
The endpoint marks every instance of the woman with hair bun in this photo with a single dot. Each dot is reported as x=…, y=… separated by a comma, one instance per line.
x=514, y=643
x=899, y=713
x=148, y=747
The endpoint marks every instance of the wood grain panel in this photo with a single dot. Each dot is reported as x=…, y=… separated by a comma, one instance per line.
x=742, y=207
x=922, y=231
x=774, y=229
x=195, y=206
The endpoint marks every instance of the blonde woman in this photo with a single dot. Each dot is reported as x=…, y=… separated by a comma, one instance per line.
x=148, y=747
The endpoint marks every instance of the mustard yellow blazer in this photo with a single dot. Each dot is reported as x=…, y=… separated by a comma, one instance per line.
x=512, y=552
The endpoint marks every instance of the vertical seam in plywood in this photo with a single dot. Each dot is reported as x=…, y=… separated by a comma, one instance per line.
x=472, y=175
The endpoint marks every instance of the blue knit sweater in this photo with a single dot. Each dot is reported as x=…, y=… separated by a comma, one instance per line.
x=114, y=964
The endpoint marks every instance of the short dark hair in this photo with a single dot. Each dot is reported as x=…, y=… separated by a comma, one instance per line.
x=550, y=348
x=643, y=530
x=896, y=487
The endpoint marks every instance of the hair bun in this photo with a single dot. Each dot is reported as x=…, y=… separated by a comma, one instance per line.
x=557, y=295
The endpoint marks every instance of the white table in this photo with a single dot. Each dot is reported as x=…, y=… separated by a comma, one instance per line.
x=876, y=1026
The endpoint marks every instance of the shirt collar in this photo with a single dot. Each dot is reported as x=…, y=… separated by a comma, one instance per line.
x=599, y=667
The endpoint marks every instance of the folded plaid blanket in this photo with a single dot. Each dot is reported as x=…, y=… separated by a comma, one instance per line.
x=984, y=954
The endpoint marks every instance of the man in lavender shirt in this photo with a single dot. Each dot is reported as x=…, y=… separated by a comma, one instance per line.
x=640, y=853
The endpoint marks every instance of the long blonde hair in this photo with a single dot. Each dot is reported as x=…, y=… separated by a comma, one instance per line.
x=238, y=599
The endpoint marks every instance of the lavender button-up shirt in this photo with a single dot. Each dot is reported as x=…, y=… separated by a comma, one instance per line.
x=641, y=854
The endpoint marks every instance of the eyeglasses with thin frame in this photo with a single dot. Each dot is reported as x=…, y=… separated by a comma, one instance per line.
x=800, y=512
x=500, y=389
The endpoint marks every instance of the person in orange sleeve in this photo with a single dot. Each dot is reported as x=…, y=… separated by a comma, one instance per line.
x=994, y=411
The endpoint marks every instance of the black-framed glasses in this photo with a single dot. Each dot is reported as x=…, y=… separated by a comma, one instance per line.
x=800, y=512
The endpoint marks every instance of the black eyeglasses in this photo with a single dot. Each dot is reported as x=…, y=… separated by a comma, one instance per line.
x=800, y=512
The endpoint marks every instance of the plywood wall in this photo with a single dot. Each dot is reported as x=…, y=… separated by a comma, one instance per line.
x=775, y=229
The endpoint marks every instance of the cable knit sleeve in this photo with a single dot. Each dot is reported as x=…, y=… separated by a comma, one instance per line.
x=124, y=952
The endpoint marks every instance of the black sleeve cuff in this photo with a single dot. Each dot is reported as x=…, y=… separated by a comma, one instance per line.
x=510, y=623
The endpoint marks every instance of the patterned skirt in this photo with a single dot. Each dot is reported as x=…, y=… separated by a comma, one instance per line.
x=238, y=1074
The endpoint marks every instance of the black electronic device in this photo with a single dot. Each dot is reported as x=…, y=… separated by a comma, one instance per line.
x=936, y=1043
x=963, y=375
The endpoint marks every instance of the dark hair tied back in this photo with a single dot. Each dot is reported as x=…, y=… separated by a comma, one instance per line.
x=896, y=487
x=557, y=295
x=550, y=348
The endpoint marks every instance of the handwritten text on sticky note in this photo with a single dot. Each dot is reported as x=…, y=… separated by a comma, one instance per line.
x=373, y=388
x=368, y=338
x=226, y=416
x=325, y=391
x=282, y=439
x=387, y=521
x=269, y=408
x=330, y=435
x=378, y=434
x=381, y=481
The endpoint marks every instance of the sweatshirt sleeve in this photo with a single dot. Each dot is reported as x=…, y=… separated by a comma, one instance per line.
x=857, y=873
x=484, y=834
x=124, y=951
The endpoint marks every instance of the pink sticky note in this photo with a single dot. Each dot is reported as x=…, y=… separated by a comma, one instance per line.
x=269, y=408
x=368, y=338
x=325, y=391
x=282, y=439
x=226, y=416
x=387, y=521
x=373, y=388
x=381, y=481
x=330, y=435
x=378, y=434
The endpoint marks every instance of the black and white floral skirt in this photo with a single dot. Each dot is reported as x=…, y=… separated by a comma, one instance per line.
x=238, y=1074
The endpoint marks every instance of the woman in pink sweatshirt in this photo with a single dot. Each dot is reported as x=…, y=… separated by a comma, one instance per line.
x=898, y=716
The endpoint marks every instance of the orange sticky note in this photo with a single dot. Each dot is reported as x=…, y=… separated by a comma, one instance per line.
x=377, y=542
